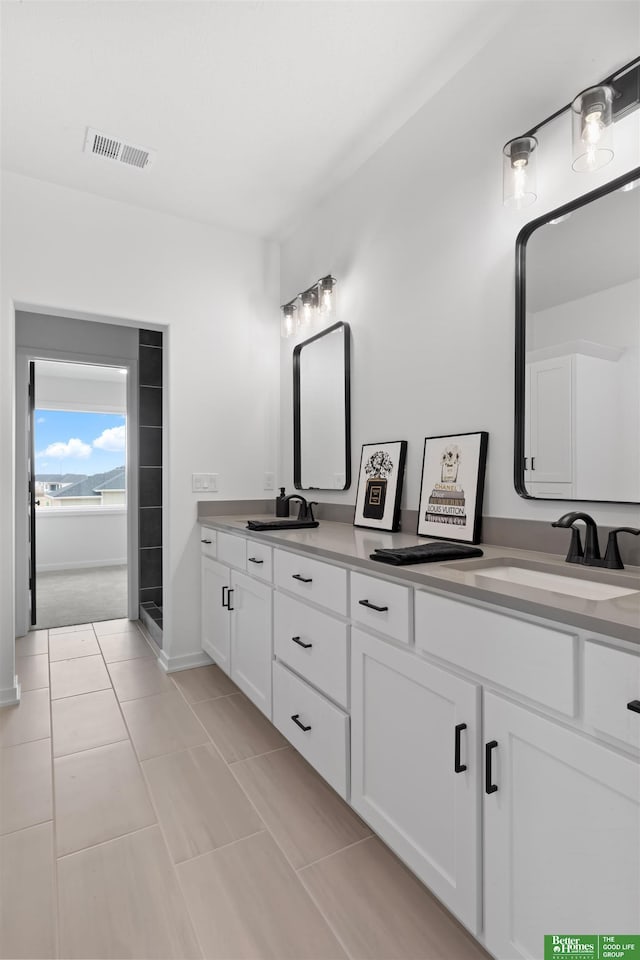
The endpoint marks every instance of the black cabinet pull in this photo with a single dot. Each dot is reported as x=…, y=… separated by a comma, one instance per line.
x=301, y=643
x=255, y=560
x=489, y=786
x=533, y=463
x=298, y=576
x=229, y=607
x=457, y=766
x=298, y=722
x=634, y=705
x=205, y=541
x=372, y=606
x=225, y=600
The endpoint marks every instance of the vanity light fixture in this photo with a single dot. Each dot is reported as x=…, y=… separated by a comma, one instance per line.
x=519, y=172
x=592, y=128
x=327, y=295
x=288, y=321
x=310, y=301
x=593, y=112
x=317, y=299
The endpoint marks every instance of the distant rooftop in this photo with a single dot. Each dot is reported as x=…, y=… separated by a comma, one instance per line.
x=92, y=486
x=60, y=477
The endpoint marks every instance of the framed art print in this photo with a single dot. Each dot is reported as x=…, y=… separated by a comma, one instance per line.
x=452, y=487
x=380, y=485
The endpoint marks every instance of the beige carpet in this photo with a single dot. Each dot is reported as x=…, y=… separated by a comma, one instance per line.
x=66, y=597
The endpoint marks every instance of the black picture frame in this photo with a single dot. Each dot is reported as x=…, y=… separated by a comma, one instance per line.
x=378, y=504
x=521, y=326
x=458, y=508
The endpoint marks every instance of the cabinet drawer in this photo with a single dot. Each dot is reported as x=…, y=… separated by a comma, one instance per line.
x=259, y=561
x=611, y=681
x=535, y=661
x=232, y=550
x=313, y=644
x=381, y=605
x=208, y=539
x=325, y=743
x=312, y=580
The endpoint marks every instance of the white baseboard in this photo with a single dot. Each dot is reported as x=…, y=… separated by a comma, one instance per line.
x=186, y=662
x=11, y=695
x=79, y=565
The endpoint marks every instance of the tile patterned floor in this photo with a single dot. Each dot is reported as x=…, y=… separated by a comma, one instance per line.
x=146, y=816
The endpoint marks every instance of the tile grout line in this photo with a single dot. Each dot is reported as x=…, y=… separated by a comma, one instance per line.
x=334, y=853
x=278, y=846
x=54, y=831
x=290, y=864
x=158, y=822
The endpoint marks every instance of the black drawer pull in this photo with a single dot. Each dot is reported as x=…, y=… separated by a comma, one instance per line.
x=301, y=643
x=225, y=600
x=457, y=766
x=205, y=541
x=298, y=722
x=298, y=576
x=255, y=560
x=489, y=786
x=634, y=705
x=372, y=606
x=229, y=607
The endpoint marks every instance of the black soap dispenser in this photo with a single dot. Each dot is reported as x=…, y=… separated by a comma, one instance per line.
x=282, y=505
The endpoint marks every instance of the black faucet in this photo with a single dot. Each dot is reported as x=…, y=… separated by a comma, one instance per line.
x=591, y=554
x=305, y=511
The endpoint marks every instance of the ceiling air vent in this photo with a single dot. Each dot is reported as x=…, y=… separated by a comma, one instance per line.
x=100, y=145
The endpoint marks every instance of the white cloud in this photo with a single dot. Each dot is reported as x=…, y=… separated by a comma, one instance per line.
x=41, y=420
x=113, y=440
x=72, y=448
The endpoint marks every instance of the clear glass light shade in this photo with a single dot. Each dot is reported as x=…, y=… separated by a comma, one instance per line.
x=327, y=296
x=309, y=309
x=288, y=319
x=592, y=128
x=519, y=173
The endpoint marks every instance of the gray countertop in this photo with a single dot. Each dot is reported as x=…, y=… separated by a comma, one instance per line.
x=346, y=544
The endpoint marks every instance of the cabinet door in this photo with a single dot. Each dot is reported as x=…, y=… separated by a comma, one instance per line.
x=251, y=639
x=215, y=616
x=562, y=834
x=406, y=719
x=551, y=424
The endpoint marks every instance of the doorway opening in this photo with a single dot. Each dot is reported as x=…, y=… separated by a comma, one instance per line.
x=79, y=497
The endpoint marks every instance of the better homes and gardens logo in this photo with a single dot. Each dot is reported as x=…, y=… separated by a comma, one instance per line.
x=592, y=947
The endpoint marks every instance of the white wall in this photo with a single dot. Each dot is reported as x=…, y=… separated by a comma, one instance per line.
x=68, y=538
x=423, y=249
x=214, y=291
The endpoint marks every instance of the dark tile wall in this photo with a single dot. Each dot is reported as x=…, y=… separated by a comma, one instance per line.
x=150, y=476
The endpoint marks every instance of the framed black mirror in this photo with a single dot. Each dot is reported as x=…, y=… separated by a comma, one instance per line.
x=577, y=376
x=322, y=410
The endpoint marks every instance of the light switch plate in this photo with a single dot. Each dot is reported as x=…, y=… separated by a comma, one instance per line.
x=204, y=482
x=269, y=481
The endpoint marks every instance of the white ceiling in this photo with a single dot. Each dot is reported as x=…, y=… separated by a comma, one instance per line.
x=256, y=109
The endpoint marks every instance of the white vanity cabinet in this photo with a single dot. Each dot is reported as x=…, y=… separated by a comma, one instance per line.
x=562, y=833
x=251, y=648
x=215, y=582
x=415, y=746
x=236, y=613
x=496, y=752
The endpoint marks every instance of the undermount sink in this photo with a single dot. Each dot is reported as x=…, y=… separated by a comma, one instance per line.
x=511, y=572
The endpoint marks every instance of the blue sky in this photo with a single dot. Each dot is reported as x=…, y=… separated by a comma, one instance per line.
x=70, y=442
